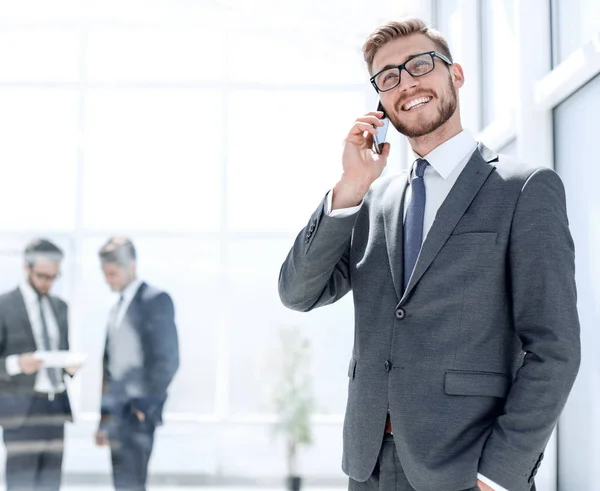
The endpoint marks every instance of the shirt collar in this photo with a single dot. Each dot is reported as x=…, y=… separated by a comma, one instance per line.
x=29, y=294
x=445, y=157
x=130, y=290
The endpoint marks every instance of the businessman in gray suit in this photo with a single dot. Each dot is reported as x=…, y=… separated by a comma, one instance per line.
x=34, y=404
x=466, y=340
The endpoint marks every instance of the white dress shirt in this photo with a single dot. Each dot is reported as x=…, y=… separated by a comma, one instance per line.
x=32, y=305
x=446, y=162
x=118, y=311
x=124, y=345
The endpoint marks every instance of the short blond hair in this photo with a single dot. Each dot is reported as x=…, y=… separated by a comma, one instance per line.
x=405, y=27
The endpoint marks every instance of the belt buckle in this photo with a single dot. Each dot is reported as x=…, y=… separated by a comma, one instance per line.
x=50, y=396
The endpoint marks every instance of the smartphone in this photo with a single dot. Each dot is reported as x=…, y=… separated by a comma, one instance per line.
x=379, y=137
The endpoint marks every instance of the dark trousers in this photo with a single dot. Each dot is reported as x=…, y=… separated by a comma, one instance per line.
x=34, y=451
x=131, y=444
x=388, y=474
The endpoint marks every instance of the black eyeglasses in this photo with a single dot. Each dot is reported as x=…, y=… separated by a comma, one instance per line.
x=416, y=66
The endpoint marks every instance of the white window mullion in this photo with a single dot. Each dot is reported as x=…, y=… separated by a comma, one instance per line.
x=468, y=54
x=568, y=77
x=534, y=127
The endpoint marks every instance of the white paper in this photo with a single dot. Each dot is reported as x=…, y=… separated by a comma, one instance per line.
x=60, y=359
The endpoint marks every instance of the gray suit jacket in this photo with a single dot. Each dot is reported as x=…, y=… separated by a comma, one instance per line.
x=476, y=358
x=152, y=316
x=16, y=337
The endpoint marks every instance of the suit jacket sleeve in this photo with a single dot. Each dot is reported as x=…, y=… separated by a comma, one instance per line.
x=542, y=275
x=3, y=340
x=316, y=271
x=105, y=400
x=161, y=352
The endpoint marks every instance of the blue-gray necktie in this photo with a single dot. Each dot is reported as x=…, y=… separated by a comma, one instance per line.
x=52, y=372
x=413, y=223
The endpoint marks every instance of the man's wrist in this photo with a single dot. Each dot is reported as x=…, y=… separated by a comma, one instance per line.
x=12, y=365
x=347, y=193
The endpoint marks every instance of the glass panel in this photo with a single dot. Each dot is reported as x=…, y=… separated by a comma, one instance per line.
x=575, y=23
x=285, y=152
x=254, y=268
x=39, y=129
x=510, y=148
x=156, y=55
x=294, y=57
x=500, y=66
x=153, y=160
x=28, y=55
x=576, y=134
x=448, y=22
x=187, y=270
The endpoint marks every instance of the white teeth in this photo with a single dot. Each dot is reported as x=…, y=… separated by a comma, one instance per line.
x=415, y=102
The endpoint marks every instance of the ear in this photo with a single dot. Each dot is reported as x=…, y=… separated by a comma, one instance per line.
x=458, y=75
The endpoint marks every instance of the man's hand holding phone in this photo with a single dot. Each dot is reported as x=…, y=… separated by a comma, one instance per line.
x=361, y=165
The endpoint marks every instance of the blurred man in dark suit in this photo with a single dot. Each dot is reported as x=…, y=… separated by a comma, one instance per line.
x=34, y=404
x=141, y=358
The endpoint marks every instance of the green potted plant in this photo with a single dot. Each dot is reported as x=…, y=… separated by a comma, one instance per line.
x=293, y=398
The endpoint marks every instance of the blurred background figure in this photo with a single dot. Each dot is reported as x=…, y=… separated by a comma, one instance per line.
x=141, y=358
x=34, y=404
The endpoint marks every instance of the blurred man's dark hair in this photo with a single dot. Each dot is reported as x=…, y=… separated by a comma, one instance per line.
x=42, y=249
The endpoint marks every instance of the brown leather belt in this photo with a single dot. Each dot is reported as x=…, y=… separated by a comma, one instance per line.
x=388, y=425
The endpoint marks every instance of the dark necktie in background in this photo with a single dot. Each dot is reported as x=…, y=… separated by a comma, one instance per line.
x=413, y=224
x=52, y=372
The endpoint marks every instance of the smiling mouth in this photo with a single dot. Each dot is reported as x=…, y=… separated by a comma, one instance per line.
x=416, y=103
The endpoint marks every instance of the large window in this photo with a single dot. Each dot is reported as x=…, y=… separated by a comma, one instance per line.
x=575, y=22
x=208, y=138
x=499, y=64
x=575, y=138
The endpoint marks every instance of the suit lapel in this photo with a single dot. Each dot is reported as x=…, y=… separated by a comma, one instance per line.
x=132, y=316
x=453, y=208
x=393, y=221
x=22, y=315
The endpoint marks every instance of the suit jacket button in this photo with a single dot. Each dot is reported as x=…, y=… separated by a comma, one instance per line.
x=388, y=366
x=400, y=314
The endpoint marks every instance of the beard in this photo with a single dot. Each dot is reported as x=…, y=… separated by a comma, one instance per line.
x=448, y=105
x=40, y=291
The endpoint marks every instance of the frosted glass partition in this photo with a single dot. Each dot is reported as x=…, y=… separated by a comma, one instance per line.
x=576, y=162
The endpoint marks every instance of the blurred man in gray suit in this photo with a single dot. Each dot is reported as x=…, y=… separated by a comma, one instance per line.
x=34, y=404
x=466, y=340
x=141, y=358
